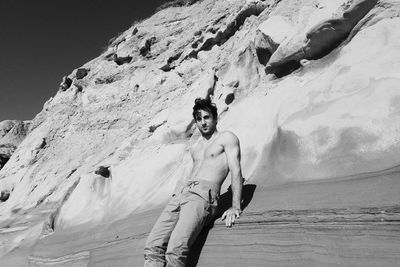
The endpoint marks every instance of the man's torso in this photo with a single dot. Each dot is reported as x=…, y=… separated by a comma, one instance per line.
x=209, y=160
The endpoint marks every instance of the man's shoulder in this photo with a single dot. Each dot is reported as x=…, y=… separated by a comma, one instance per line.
x=229, y=137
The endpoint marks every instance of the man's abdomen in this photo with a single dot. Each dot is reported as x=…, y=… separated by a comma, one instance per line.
x=212, y=169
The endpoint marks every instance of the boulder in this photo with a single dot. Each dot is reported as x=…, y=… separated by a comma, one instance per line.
x=276, y=29
x=4, y=195
x=269, y=35
x=81, y=73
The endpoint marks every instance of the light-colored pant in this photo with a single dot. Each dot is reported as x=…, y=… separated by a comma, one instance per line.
x=191, y=207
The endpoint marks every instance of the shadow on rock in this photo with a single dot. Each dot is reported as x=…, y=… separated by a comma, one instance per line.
x=225, y=202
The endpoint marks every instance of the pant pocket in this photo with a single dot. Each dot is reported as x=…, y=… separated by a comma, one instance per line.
x=203, y=193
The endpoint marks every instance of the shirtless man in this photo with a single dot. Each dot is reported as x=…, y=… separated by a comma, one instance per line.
x=194, y=202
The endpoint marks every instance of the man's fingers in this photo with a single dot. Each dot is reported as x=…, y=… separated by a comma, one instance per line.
x=230, y=219
x=227, y=217
x=230, y=216
x=234, y=217
x=228, y=222
x=223, y=216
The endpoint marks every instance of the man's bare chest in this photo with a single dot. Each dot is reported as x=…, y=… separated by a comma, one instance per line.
x=207, y=151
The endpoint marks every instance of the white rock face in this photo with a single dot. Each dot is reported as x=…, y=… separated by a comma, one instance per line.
x=335, y=117
x=323, y=31
x=98, y=199
x=277, y=29
x=340, y=118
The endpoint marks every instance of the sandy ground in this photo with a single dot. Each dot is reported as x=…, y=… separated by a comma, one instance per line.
x=352, y=221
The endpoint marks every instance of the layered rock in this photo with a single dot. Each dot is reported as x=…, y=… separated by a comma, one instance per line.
x=330, y=126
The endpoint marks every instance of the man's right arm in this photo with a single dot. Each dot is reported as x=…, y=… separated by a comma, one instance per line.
x=232, y=151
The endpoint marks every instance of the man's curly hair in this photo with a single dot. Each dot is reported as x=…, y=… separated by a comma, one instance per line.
x=204, y=104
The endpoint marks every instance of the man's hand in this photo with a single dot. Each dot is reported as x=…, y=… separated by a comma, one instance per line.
x=231, y=215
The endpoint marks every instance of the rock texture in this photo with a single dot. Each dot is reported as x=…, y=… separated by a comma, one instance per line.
x=319, y=138
x=12, y=133
x=65, y=83
x=320, y=39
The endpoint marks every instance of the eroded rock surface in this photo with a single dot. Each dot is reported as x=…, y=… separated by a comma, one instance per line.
x=319, y=40
x=320, y=145
x=12, y=133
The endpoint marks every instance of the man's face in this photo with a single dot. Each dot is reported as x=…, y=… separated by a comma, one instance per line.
x=205, y=122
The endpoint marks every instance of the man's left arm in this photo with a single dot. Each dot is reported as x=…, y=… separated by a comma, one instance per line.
x=232, y=151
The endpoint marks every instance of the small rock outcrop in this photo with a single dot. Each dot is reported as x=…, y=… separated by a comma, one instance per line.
x=81, y=73
x=65, y=83
x=146, y=47
x=4, y=195
x=270, y=34
x=103, y=171
x=263, y=48
x=121, y=60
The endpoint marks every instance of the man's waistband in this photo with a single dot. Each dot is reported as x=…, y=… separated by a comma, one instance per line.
x=204, y=184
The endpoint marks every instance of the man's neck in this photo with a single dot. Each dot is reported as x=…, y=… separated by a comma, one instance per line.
x=210, y=136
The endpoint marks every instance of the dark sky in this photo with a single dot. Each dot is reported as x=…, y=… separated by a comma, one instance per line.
x=43, y=40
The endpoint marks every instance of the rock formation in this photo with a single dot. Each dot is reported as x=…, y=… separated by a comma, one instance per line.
x=81, y=73
x=319, y=134
x=121, y=60
x=319, y=40
x=12, y=133
x=65, y=83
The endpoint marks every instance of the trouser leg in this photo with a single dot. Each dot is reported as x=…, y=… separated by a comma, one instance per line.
x=193, y=216
x=156, y=244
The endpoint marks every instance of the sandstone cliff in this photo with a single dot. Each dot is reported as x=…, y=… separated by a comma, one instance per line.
x=309, y=86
